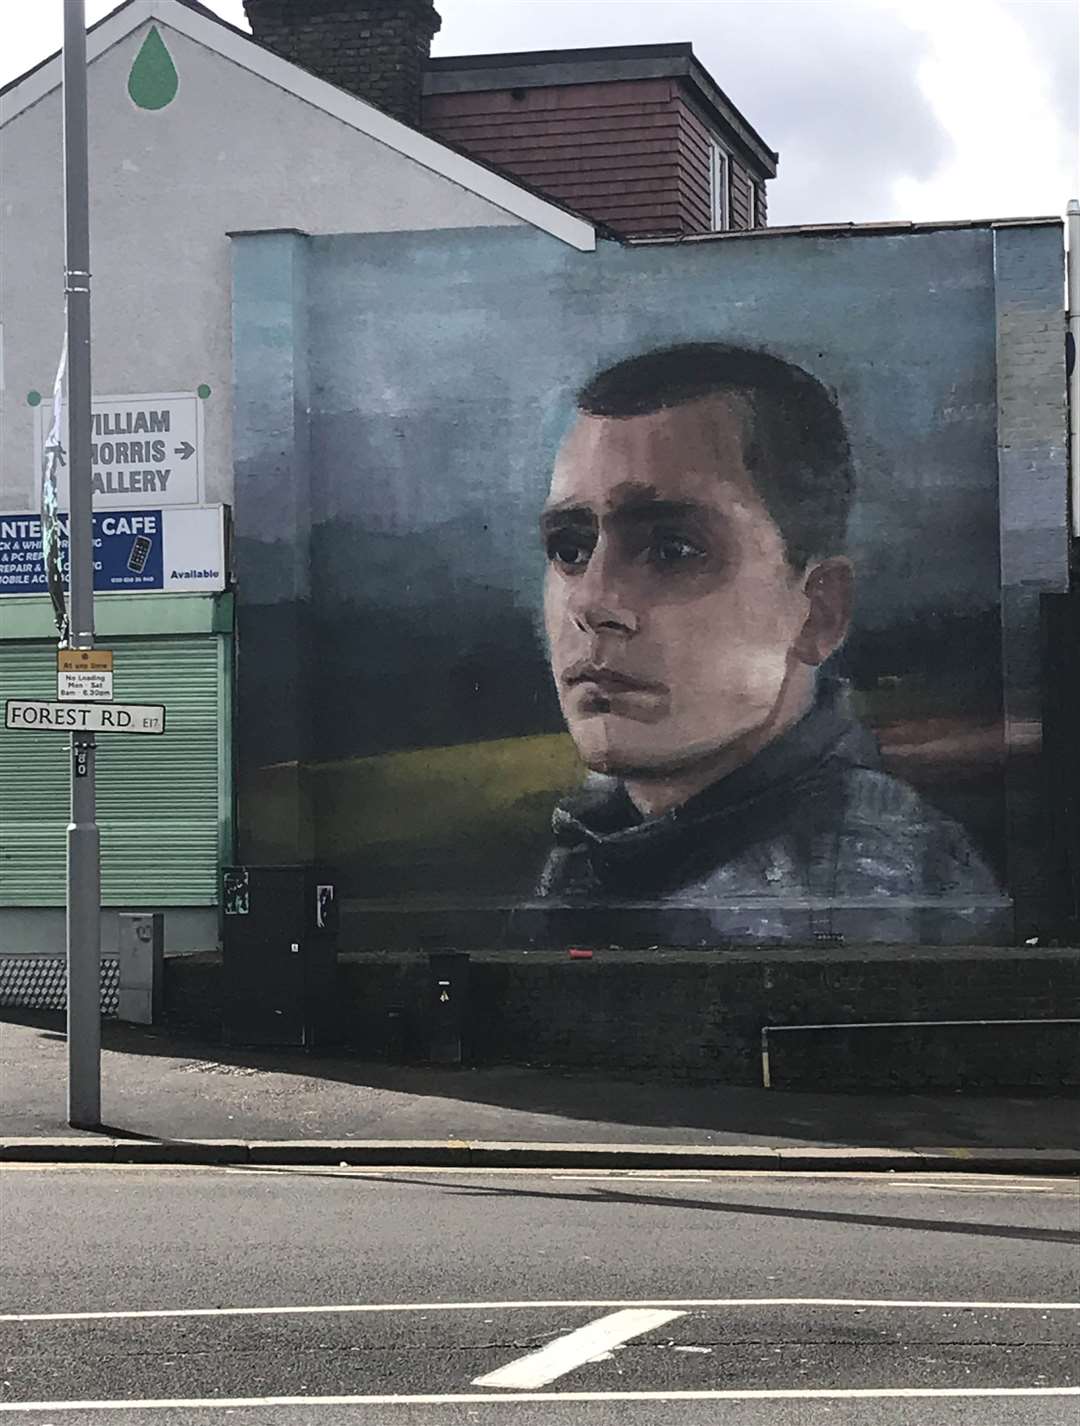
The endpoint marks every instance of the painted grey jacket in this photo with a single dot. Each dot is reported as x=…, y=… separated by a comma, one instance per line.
x=812, y=820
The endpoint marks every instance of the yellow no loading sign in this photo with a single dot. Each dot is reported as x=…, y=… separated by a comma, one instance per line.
x=84, y=675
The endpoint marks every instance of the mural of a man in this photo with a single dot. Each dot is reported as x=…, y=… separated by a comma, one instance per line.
x=696, y=583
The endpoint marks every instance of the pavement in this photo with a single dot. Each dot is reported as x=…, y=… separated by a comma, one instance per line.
x=166, y=1099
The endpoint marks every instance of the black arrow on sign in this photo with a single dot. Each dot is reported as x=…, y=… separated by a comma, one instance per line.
x=184, y=449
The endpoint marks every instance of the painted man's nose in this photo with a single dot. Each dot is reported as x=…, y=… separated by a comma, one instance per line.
x=598, y=605
x=605, y=618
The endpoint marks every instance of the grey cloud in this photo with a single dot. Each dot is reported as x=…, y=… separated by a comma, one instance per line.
x=1053, y=30
x=835, y=89
x=832, y=86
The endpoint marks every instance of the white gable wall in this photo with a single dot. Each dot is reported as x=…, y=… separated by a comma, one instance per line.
x=232, y=152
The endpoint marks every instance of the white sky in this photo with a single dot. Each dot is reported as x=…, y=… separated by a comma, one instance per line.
x=881, y=109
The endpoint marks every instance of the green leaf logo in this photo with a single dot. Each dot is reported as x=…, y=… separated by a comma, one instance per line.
x=153, y=80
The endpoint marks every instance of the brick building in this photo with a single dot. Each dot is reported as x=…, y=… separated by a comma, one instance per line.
x=640, y=138
x=377, y=49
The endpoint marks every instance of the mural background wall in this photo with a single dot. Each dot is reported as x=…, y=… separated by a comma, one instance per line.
x=401, y=400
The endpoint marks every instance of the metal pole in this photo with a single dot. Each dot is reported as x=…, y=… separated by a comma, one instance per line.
x=1073, y=221
x=83, y=849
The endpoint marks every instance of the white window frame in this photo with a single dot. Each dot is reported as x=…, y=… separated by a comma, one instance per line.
x=752, y=186
x=720, y=188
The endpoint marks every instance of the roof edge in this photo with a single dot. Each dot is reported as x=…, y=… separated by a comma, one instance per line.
x=13, y=84
x=600, y=53
x=199, y=25
x=884, y=227
x=601, y=64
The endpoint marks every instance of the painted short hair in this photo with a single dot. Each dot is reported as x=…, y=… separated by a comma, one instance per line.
x=796, y=446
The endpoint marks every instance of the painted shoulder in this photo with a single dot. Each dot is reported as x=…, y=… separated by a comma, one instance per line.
x=858, y=836
x=891, y=840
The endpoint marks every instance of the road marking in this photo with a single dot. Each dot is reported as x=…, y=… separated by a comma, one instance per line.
x=679, y=1303
x=234, y=1403
x=970, y=1184
x=682, y=1176
x=586, y=1344
x=987, y=1182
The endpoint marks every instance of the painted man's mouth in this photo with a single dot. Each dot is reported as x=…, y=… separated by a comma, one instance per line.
x=607, y=680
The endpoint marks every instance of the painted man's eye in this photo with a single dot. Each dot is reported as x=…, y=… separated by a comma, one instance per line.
x=568, y=550
x=674, y=550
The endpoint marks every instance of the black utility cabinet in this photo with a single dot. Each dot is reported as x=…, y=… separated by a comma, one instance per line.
x=280, y=948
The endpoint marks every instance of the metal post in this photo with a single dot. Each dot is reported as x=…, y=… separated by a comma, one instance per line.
x=1073, y=221
x=83, y=849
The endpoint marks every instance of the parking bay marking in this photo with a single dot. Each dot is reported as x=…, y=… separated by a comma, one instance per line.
x=226, y=1403
x=679, y=1303
x=586, y=1344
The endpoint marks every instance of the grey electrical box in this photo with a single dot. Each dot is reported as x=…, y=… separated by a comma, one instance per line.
x=140, y=945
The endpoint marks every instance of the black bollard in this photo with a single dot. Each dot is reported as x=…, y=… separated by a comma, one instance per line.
x=448, y=1004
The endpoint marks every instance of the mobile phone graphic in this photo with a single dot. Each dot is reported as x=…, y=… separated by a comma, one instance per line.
x=140, y=549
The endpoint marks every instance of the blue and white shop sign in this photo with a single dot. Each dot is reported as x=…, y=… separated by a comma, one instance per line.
x=179, y=551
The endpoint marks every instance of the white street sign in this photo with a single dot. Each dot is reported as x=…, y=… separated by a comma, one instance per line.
x=145, y=450
x=35, y=715
x=84, y=685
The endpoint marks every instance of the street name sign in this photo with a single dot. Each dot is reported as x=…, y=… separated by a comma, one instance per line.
x=84, y=675
x=145, y=450
x=33, y=715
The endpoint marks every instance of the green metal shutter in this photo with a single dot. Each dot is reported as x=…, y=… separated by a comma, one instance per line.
x=163, y=802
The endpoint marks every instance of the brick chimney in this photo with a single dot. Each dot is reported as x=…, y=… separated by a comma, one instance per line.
x=377, y=49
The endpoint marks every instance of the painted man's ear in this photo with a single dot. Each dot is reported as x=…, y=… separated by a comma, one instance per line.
x=830, y=591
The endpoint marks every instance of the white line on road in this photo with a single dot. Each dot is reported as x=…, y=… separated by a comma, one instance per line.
x=982, y=1187
x=405, y=1173
x=586, y=1344
x=555, y=1304
x=630, y=1176
x=234, y=1403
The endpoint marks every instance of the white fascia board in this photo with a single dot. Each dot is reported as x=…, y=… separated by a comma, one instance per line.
x=358, y=115
x=366, y=119
x=50, y=76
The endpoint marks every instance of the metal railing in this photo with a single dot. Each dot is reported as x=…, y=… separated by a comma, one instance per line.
x=767, y=1030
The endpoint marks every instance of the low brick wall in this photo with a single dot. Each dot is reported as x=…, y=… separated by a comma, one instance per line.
x=700, y=1014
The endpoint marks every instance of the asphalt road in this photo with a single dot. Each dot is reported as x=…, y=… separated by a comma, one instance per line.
x=266, y=1297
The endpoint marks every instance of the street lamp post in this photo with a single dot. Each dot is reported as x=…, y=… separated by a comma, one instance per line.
x=83, y=846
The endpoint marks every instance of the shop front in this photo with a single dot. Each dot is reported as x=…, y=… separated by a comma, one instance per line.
x=164, y=804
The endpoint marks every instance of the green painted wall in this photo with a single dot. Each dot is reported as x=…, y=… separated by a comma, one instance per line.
x=118, y=615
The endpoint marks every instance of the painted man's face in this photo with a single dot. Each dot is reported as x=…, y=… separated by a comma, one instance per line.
x=672, y=612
